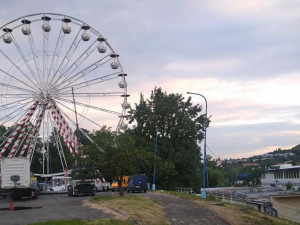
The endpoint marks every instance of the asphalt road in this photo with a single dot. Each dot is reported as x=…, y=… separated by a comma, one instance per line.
x=60, y=206
x=50, y=207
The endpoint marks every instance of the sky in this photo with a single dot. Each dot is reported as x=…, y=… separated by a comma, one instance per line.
x=243, y=56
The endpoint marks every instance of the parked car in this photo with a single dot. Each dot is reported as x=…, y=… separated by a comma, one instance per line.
x=82, y=187
x=138, y=183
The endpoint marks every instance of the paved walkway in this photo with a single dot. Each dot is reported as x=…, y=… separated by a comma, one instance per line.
x=181, y=211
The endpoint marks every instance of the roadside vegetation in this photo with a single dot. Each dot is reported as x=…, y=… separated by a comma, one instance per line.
x=139, y=209
x=231, y=213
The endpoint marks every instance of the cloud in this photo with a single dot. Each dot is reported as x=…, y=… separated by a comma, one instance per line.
x=202, y=68
x=242, y=55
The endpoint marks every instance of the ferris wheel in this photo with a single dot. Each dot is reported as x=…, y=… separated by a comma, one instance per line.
x=56, y=72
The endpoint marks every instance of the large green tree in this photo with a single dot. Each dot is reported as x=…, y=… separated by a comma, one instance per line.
x=179, y=125
x=114, y=155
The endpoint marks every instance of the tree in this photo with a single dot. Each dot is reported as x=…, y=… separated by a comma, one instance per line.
x=118, y=155
x=254, y=177
x=180, y=126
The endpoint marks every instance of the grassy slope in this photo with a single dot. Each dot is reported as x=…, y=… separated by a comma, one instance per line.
x=142, y=210
x=233, y=214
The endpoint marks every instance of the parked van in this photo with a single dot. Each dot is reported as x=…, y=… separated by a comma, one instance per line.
x=137, y=182
x=114, y=185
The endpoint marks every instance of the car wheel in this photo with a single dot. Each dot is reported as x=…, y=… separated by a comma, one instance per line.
x=70, y=192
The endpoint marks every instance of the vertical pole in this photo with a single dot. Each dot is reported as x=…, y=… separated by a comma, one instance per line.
x=77, y=127
x=205, y=171
x=43, y=151
x=203, y=192
x=154, y=167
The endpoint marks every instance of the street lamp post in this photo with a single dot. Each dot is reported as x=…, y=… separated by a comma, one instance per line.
x=203, y=191
x=154, y=167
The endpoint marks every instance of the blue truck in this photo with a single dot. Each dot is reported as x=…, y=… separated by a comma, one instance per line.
x=137, y=182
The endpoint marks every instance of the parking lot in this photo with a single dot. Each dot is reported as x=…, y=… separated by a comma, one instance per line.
x=50, y=207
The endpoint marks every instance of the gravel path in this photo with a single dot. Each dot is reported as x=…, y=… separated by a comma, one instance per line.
x=181, y=211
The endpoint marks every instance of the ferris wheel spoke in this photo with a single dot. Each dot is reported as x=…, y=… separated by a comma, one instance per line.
x=33, y=51
x=11, y=107
x=17, y=88
x=87, y=94
x=90, y=82
x=84, y=72
x=58, y=144
x=72, y=110
x=69, y=54
x=13, y=103
x=76, y=64
x=12, y=76
x=91, y=106
x=20, y=70
x=23, y=57
x=46, y=28
x=8, y=96
x=56, y=54
x=16, y=110
x=83, y=132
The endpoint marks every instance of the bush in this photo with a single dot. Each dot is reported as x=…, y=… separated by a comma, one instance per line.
x=289, y=186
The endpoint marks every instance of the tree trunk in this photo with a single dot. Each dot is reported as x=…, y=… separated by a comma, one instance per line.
x=121, y=193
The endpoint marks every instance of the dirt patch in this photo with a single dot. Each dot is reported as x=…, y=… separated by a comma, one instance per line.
x=103, y=208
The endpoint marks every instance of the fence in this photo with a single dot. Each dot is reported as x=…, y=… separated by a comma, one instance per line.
x=271, y=201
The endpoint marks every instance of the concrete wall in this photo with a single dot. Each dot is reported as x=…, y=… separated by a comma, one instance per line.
x=288, y=207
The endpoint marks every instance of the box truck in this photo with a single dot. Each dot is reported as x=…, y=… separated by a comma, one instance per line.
x=16, y=179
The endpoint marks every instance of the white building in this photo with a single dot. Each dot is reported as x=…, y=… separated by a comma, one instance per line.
x=280, y=175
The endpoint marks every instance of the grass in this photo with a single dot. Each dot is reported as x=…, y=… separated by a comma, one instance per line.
x=233, y=214
x=139, y=209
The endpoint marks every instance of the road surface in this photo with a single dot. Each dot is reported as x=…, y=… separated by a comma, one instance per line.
x=60, y=206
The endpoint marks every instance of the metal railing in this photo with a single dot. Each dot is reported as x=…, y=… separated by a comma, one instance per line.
x=259, y=199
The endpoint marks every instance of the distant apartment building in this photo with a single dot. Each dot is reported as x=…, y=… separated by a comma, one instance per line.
x=279, y=175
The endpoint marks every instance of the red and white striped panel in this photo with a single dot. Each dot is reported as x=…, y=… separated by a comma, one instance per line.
x=37, y=129
x=26, y=121
x=20, y=125
x=64, y=128
x=60, y=128
x=33, y=132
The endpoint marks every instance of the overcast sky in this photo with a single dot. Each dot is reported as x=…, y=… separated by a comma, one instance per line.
x=243, y=56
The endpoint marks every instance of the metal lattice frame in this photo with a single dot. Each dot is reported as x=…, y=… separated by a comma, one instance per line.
x=45, y=59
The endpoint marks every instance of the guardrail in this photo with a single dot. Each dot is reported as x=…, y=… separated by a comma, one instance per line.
x=184, y=189
x=261, y=199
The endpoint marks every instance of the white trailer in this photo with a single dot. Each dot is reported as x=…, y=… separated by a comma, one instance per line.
x=102, y=185
x=16, y=178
